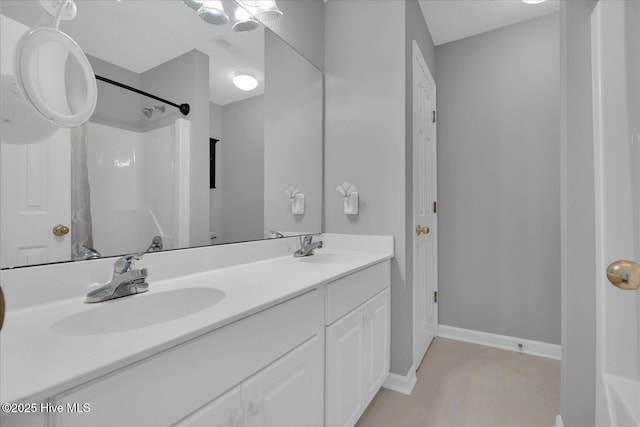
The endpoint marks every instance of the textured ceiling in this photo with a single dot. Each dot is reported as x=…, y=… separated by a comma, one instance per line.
x=450, y=20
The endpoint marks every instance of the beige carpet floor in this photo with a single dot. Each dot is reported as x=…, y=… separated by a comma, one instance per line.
x=463, y=384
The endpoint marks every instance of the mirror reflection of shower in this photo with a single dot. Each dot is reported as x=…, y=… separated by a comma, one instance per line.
x=148, y=111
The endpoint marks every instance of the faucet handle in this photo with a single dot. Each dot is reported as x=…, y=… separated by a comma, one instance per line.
x=126, y=263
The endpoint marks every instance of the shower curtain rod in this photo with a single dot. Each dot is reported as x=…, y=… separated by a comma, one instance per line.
x=184, y=108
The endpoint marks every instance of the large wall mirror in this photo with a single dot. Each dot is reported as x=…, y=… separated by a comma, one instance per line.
x=137, y=176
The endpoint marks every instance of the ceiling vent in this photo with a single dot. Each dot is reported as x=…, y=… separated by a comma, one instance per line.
x=225, y=45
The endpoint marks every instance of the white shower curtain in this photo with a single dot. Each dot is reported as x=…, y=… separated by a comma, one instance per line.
x=81, y=230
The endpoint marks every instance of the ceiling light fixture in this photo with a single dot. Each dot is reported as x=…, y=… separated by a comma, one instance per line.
x=244, y=20
x=246, y=12
x=213, y=12
x=193, y=4
x=533, y=1
x=267, y=10
x=245, y=82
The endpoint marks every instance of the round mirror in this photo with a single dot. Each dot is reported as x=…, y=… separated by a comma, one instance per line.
x=55, y=77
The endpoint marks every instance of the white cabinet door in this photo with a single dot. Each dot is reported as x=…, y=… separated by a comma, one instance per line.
x=377, y=354
x=289, y=391
x=224, y=411
x=344, y=360
x=357, y=360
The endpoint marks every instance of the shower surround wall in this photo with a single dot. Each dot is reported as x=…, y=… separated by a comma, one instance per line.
x=135, y=193
x=184, y=79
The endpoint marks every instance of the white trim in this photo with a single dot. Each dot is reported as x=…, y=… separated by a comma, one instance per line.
x=182, y=183
x=402, y=383
x=558, y=421
x=534, y=348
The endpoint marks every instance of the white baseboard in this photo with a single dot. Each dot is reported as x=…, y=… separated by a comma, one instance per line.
x=402, y=383
x=534, y=348
x=559, y=421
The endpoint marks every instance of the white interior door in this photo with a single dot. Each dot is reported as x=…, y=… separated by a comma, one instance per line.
x=616, y=95
x=425, y=222
x=35, y=196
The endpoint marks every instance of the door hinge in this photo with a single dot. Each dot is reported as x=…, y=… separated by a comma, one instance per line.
x=435, y=207
x=433, y=116
x=435, y=297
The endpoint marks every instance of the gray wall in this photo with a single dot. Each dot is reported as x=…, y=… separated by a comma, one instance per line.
x=365, y=138
x=242, y=170
x=578, y=217
x=191, y=86
x=302, y=26
x=292, y=138
x=116, y=106
x=416, y=29
x=499, y=181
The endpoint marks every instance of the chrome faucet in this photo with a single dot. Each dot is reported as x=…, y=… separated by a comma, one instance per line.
x=126, y=280
x=87, y=252
x=278, y=234
x=307, y=245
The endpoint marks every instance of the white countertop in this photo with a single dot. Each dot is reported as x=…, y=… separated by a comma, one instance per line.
x=37, y=362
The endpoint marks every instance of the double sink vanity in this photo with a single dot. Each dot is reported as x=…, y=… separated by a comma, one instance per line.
x=235, y=335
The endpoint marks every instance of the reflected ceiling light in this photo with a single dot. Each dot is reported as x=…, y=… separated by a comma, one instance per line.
x=250, y=3
x=246, y=12
x=245, y=82
x=267, y=10
x=193, y=4
x=244, y=20
x=213, y=12
x=533, y=1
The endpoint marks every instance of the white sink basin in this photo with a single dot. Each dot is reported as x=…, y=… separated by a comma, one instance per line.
x=329, y=258
x=138, y=311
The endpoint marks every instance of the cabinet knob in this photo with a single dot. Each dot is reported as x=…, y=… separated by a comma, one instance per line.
x=255, y=404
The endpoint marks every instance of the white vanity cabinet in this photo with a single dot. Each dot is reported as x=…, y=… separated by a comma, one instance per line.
x=289, y=392
x=357, y=342
x=266, y=369
x=224, y=411
x=286, y=393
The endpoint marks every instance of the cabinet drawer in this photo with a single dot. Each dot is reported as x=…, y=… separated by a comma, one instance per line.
x=347, y=293
x=164, y=388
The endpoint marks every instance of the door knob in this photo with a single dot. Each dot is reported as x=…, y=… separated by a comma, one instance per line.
x=60, y=230
x=422, y=229
x=624, y=274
